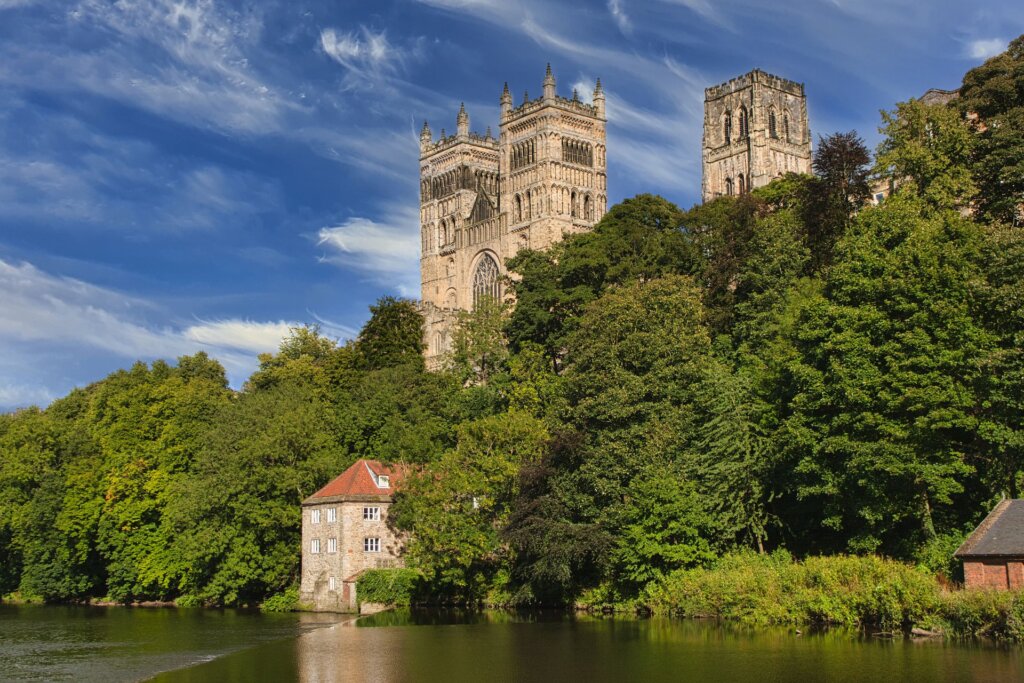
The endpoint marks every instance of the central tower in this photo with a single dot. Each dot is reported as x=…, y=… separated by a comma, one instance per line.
x=482, y=198
x=755, y=130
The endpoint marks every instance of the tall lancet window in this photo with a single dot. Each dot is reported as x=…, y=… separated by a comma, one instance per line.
x=486, y=282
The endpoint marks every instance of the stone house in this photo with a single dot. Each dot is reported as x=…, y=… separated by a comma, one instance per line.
x=993, y=555
x=345, y=532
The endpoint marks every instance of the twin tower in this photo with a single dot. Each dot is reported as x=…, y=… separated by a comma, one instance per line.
x=483, y=198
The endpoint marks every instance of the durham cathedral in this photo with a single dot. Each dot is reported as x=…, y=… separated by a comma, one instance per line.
x=544, y=176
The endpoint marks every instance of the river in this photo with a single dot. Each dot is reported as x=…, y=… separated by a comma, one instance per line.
x=193, y=646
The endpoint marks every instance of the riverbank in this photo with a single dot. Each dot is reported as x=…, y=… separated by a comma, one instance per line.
x=866, y=592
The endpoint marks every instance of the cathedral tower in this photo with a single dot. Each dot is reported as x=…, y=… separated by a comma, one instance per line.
x=755, y=130
x=482, y=199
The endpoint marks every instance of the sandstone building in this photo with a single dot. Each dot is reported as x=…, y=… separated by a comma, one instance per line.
x=755, y=130
x=345, y=532
x=482, y=198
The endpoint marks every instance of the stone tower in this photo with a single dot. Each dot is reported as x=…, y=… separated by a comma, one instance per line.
x=755, y=130
x=482, y=198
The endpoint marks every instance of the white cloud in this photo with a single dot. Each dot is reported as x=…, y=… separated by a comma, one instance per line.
x=244, y=335
x=70, y=314
x=983, y=49
x=387, y=250
x=617, y=8
x=23, y=395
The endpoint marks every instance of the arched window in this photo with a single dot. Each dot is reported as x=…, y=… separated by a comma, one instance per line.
x=742, y=184
x=785, y=126
x=517, y=213
x=572, y=204
x=442, y=234
x=529, y=206
x=727, y=127
x=743, y=123
x=449, y=268
x=486, y=283
x=587, y=208
x=728, y=186
x=773, y=129
x=450, y=299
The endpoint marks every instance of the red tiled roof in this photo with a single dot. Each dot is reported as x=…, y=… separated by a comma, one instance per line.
x=361, y=480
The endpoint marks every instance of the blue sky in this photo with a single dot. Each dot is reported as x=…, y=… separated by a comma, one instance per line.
x=180, y=175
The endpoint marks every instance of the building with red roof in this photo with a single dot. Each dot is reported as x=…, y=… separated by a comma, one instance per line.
x=345, y=532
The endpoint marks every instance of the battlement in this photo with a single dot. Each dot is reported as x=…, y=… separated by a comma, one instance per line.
x=748, y=79
x=576, y=106
x=432, y=147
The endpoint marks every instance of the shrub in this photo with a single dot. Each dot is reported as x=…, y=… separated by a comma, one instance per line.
x=775, y=589
x=389, y=586
x=285, y=601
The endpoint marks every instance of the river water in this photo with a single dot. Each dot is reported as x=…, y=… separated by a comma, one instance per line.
x=192, y=646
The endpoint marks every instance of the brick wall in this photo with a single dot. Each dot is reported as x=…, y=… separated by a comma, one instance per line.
x=998, y=574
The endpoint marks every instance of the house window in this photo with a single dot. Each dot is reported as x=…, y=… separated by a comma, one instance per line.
x=332, y=545
x=383, y=481
x=314, y=546
x=332, y=514
x=332, y=584
x=371, y=545
x=314, y=516
x=371, y=514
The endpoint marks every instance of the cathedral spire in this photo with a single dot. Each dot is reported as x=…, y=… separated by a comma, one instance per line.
x=549, y=84
x=599, y=98
x=426, y=136
x=506, y=100
x=462, y=121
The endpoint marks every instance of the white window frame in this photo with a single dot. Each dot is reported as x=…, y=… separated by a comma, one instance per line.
x=371, y=514
x=383, y=481
x=332, y=584
x=314, y=516
x=314, y=546
x=332, y=545
x=332, y=515
x=371, y=545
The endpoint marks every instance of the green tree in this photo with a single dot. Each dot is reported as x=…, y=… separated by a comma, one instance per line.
x=927, y=151
x=393, y=335
x=884, y=411
x=479, y=350
x=840, y=187
x=455, y=508
x=992, y=96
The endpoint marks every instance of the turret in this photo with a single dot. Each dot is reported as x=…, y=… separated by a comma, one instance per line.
x=549, y=84
x=462, y=122
x=599, y=99
x=425, y=136
x=506, y=101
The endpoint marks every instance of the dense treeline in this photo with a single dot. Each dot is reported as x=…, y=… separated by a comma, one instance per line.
x=791, y=368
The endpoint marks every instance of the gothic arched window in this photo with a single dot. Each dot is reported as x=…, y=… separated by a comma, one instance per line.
x=517, y=213
x=785, y=126
x=742, y=184
x=744, y=130
x=486, y=283
x=728, y=186
x=528, y=206
x=587, y=208
x=727, y=127
x=773, y=129
x=572, y=204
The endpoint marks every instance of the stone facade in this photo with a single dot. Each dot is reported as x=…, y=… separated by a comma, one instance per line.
x=755, y=130
x=482, y=198
x=343, y=535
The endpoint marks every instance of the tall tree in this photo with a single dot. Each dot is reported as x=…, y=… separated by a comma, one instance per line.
x=992, y=97
x=841, y=166
x=393, y=335
x=927, y=151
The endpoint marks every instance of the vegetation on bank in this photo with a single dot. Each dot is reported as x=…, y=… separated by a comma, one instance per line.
x=790, y=369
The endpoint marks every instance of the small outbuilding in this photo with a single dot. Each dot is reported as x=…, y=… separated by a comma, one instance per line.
x=993, y=555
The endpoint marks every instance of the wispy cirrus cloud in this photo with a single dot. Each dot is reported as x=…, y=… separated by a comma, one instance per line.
x=70, y=316
x=617, y=8
x=365, y=53
x=386, y=250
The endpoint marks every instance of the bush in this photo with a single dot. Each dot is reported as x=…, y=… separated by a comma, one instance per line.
x=987, y=613
x=775, y=589
x=285, y=601
x=389, y=586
